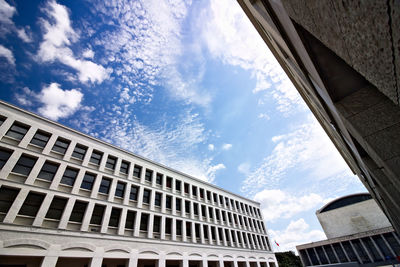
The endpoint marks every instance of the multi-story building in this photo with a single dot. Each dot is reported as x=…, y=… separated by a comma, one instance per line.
x=358, y=233
x=68, y=199
x=343, y=57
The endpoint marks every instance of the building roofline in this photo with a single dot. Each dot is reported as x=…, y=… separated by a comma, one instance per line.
x=123, y=150
x=340, y=198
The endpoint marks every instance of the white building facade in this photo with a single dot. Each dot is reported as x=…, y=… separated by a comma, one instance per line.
x=68, y=199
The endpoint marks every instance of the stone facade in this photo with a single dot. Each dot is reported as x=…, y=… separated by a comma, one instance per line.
x=67, y=199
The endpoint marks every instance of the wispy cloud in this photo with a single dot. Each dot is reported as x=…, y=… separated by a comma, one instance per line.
x=7, y=54
x=297, y=232
x=143, y=44
x=226, y=146
x=58, y=36
x=230, y=37
x=211, y=147
x=25, y=34
x=307, y=149
x=278, y=204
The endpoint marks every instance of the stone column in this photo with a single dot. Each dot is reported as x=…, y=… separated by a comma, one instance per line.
x=67, y=213
x=69, y=151
x=162, y=228
x=173, y=230
x=35, y=171
x=106, y=219
x=117, y=166
x=88, y=154
x=150, y=226
x=96, y=186
x=28, y=137
x=50, y=144
x=57, y=177
x=137, y=223
x=16, y=206
x=140, y=197
x=111, y=192
x=44, y=207
x=49, y=261
x=122, y=221
x=78, y=181
x=103, y=161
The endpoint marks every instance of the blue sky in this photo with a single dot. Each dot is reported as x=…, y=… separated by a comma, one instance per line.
x=187, y=84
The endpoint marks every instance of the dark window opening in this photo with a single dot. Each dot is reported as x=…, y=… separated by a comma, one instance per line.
x=178, y=185
x=157, y=199
x=61, y=145
x=32, y=204
x=120, y=190
x=178, y=204
x=159, y=178
x=137, y=171
x=168, y=202
x=105, y=185
x=5, y=154
x=24, y=165
x=97, y=215
x=69, y=176
x=111, y=162
x=78, y=211
x=56, y=208
x=156, y=224
x=88, y=181
x=146, y=196
x=40, y=138
x=96, y=156
x=7, y=197
x=144, y=221
x=79, y=151
x=148, y=176
x=18, y=130
x=130, y=219
x=48, y=171
x=134, y=193
x=124, y=167
x=114, y=218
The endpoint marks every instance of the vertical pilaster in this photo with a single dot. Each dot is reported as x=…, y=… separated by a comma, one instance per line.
x=43, y=210
x=122, y=221
x=67, y=213
x=87, y=217
x=106, y=219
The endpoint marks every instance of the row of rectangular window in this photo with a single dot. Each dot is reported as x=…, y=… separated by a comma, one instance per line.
x=33, y=202
x=49, y=169
x=18, y=131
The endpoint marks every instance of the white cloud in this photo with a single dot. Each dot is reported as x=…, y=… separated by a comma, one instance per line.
x=7, y=54
x=58, y=103
x=230, y=36
x=296, y=233
x=88, y=53
x=244, y=168
x=226, y=146
x=26, y=98
x=56, y=39
x=306, y=148
x=25, y=34
x=278, y=204
x=6, y=12
x=264, y=116
x=211, y=147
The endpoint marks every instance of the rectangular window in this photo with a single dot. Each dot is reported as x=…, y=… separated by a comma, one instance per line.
x=137, y=171
x=186, y=187
x=178, y=204
x=88, y=181
x=169, y=182
x=24, y=165
x=197, y=230
x=233, y=236
x=226, y=202
x=188, y=229
x=149, y=175
x=18, y=130
x=227, y=235
x=201, y=192
x=157, y=199
x=215, y=197
x=105, y=186
x=56, y=208
x=220, y=234
x=79, y=151
x=7, y=197
x=111, y=161
x=78, y=211
x=114, y=218
x=178, y=227
x=187, y=206
x=223, y=216
x=120, y=190
x=194, y=191
x=221, y=199
x=210, y=212
x=61, y=145
x=2, y=119
x=5, y=154
x=168, y=226
x=146, y=196
x=156, y=224
x=168, y=202
x=205, y=231
x=96, y=156
x=159, y=178
x=48, y=171
x=144, y=221
x=203, y=210
x=217, y=214
x=124, y=167
x=97, y=215
x=229, y=217
x=130, y=219
x=69, y=176
x=134, y=193
x=40, y=138
x=208, y=195
x=178, y=185
x=196, y=209
x=32, y=204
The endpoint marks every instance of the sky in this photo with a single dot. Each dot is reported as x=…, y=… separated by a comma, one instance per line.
x=189, y=84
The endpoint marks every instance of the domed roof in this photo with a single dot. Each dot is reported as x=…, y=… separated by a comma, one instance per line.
x=345, y=201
